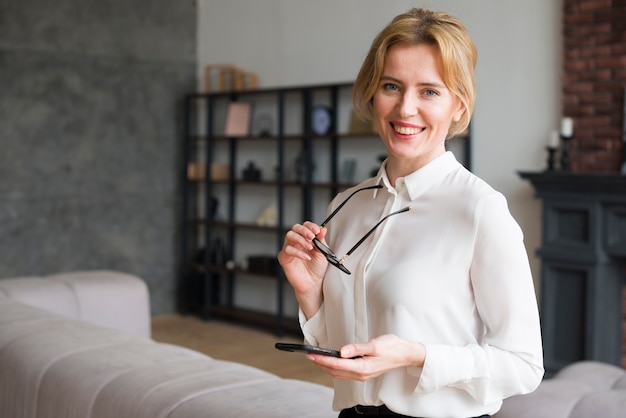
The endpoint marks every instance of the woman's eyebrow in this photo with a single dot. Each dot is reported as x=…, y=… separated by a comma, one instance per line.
x=423, y=84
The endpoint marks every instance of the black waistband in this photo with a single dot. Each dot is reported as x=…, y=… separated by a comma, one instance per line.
x=380, y=411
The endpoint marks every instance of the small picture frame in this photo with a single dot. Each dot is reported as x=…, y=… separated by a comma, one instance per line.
x=238, y=119
x=347, y=171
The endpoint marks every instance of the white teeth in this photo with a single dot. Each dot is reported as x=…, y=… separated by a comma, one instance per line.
x=407, y=131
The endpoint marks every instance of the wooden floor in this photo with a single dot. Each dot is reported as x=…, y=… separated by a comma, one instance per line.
x=234, y=342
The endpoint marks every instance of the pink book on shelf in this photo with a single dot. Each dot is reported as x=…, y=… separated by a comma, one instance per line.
x=238, y=119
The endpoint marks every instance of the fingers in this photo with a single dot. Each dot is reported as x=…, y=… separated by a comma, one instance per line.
x=310, y=230
x=300, y=235
x=342, y=368
x=351, y=350
x=364, y=361
x=304, y=266
x=369, y=348
x=298, y=240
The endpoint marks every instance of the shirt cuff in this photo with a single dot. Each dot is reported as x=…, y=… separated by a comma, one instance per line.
x=444, y=366
x=313, y=328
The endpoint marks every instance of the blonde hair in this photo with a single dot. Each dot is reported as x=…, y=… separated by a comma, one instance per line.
x=457, y=54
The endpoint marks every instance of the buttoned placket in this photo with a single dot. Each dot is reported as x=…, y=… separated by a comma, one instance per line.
x=362, y=269
x=393, y=203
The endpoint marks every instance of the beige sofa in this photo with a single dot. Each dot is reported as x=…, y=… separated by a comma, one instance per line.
x=77, y=345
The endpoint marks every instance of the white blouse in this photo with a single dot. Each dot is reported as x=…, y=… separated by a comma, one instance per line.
x=453, y=274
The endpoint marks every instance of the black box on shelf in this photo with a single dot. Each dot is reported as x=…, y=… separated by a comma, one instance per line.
x=263, y=264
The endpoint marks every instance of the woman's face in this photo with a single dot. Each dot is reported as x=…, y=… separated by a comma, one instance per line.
x=413, y=108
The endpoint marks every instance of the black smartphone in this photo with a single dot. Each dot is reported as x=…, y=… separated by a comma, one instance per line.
x=304, y=348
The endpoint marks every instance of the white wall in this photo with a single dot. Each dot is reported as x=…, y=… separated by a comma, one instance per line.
x=293, y=42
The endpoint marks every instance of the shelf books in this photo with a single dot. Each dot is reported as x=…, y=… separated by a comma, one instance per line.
x=238, y=119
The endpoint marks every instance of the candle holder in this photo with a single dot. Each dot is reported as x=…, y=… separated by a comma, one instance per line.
x=551, y=158
x=623, y=167
x=565, y=153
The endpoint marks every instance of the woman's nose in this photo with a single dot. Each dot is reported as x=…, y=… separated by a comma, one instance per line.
x=408, y=105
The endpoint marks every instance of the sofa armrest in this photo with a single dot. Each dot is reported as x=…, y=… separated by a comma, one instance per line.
x=107, y=298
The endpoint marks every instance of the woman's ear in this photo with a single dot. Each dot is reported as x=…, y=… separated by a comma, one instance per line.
x=459, y=113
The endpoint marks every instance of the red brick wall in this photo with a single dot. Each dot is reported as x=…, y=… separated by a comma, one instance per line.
x=594, y=79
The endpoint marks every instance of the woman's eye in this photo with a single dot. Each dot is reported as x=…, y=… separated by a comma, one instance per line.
x=431, y=93
x=390, y=87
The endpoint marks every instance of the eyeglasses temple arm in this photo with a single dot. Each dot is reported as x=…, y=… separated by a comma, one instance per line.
x=378, y=186
x=408, y=208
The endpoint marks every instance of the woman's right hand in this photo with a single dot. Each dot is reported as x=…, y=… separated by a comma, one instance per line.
x=304, y=265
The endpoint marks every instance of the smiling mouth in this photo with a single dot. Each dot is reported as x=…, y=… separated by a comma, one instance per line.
x=405, y=130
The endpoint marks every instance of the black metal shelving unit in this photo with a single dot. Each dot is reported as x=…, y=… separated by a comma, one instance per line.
x=201, y=276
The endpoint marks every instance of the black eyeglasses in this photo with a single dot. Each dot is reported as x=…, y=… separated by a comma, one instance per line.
x=328, y=253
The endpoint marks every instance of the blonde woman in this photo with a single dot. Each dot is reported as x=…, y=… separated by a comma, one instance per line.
x=419, y=277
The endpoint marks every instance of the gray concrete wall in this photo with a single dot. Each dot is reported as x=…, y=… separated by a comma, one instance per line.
x=90, y=114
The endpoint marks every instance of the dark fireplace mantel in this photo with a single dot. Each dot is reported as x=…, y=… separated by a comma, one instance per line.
x=565, y=182
x=583, y=254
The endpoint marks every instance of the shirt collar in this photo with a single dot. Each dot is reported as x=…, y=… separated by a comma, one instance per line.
x=423, y=178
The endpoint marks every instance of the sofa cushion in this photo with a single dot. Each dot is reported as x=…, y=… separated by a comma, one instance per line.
x=297, y=399
x=620, y=383
x=609, y=403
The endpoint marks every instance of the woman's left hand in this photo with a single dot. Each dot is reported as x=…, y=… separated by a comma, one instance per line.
x=365, y=361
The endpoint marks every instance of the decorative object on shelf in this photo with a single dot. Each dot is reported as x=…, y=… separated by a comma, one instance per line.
x=264, y=125
x=238, y=119
x=216, y=257
x=221, y=78
x=268, y=217
x=302, y=166
x=624, y=133
x=567, y=131
x=347, y=171
x=251, y=172
x=263, y=264
x=219, y=171
x=552, y=147
x=551, y=159
x=321, y=120
x=195, y=171
x=215, y=204
x=218, y=253
x=374, y=170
